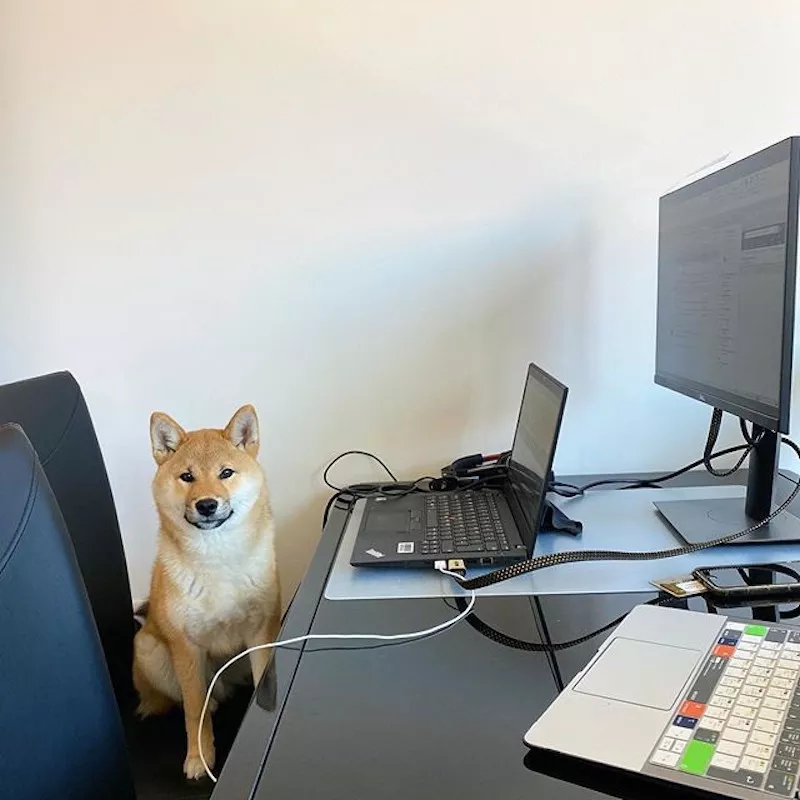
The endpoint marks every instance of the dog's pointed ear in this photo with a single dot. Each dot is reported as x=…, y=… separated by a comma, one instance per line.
x=165, y=436
x=242, y=430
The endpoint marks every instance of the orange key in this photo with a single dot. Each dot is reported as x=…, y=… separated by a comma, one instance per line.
x=690, y=709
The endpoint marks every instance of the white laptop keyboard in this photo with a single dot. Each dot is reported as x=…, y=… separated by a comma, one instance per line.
x=740, y=722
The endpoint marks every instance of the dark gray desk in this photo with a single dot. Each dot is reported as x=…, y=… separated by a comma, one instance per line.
x=435, y=718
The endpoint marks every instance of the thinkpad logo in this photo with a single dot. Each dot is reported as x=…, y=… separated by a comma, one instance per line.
x=374, y=553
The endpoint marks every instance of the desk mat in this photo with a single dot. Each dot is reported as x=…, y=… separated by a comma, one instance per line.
x=612, y=520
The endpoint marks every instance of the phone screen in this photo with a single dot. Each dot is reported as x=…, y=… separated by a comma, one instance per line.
x=750, y=575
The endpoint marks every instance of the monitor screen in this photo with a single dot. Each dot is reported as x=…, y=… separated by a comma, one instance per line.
x=535, y=439
x=726, y=282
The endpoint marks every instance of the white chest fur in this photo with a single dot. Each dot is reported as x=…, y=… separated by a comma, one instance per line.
x=225, y=586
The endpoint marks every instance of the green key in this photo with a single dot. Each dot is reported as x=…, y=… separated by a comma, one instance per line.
x=696, y=757
x=755, y=630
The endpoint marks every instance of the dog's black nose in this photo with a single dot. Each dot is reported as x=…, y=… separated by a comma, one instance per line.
x=206, y=506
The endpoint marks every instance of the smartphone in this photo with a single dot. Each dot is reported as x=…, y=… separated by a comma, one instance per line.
x=772, y=582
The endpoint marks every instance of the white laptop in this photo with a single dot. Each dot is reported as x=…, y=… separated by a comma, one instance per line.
x=699, y=700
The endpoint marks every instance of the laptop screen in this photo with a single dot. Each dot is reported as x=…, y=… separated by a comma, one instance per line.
x=531, y=460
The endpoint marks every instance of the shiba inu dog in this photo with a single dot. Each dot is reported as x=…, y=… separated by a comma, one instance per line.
x=214, y=588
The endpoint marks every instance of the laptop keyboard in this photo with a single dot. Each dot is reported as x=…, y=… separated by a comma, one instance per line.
x=463, y=522
x=740, y=722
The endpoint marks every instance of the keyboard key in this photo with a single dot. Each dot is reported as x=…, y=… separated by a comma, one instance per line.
x=696, y=757
x=752, y=764
x=703, y=734
x=749, y=700
x=768, y=655
x=781, y=683
x=779, y=783
x=735, y=683
x=781, y=694
x=735, y=735
x=786, y=663
x=749, y=646
x=770, y=714
x=725, y=762
x=726, y=691
x=759, y=737
x=785, y=750
x=753, y=691
x=792, y=721
x=722, y=702
x=712, y=723
x=740, y=723
x=770, y=645
x=736, y=672
x=716, y=712
x=774, y=702
x=790, y=655
x=758, y=661
x=758, y=751
x=675, y=732
x=730, y=748
x=768, y=726
x=785, y=764
x=678, y=746
x=749, y=713
x=789, y=674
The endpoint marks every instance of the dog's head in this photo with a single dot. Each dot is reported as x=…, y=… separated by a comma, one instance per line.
x=206, y=477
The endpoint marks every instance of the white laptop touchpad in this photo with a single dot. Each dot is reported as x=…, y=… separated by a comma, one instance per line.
x=642, y=673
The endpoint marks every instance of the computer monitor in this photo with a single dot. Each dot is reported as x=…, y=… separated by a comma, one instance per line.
x=727, y=247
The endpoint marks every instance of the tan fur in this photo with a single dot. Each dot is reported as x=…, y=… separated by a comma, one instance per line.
x=214, y=591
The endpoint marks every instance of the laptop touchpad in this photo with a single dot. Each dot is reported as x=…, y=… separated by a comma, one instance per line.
x=638, y=672
x=386, y=519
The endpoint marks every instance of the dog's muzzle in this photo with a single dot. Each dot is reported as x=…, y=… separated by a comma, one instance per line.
x=209, y=523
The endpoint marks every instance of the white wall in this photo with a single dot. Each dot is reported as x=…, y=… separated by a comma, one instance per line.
x=363, y=217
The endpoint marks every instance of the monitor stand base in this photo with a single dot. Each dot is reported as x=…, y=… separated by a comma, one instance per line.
x=699, y=521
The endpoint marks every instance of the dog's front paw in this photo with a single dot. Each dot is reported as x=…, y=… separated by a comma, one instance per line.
x=193, y=767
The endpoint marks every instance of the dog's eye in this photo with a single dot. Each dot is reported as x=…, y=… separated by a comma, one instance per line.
x=186, y=477
x=226, y=473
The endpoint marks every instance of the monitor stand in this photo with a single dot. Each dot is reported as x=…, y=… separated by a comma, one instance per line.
x=702, y=520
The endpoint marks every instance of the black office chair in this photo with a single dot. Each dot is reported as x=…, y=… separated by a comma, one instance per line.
x=53, y=413
x=60, y=731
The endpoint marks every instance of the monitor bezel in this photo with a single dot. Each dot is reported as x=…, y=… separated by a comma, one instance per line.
x=766, y=416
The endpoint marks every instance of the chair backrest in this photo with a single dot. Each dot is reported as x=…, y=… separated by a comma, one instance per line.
x=60, y=729
x=52, y=412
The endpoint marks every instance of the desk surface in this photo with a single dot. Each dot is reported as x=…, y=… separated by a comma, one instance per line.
x=433, y=718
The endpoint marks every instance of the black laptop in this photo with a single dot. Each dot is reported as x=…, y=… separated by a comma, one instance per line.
x=479, y=526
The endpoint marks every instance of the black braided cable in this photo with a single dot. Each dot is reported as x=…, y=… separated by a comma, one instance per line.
x=539, y=647
x=711, y=441
x=543, y=562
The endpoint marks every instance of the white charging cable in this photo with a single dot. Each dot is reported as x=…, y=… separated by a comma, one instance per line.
x=395, y=637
